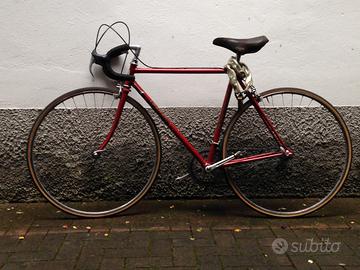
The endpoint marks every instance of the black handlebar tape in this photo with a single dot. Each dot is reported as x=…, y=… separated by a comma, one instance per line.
x=118, y=50
x=105, y=62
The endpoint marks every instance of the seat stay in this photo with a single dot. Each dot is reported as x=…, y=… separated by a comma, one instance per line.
x=270, y=126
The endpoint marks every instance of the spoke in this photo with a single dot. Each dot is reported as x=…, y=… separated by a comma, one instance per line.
x=112, y=102
x=106, y=127
x=94, y=100
x=301, y=100
x=282, y=97
x=64, y=105
x=74, y=102
x=310, y=102
x=272, y=101
x=77, y=110
x=262, y=101
x=268, y=100
x=292, y=99
x=102, y=104
x=84, y=100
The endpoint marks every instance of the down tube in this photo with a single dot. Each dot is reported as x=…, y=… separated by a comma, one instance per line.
x=171, y=125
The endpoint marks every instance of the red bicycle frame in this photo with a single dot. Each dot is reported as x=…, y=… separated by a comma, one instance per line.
x=204, y=161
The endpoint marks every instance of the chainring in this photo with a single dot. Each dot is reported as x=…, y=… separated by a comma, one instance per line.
x=198, y=173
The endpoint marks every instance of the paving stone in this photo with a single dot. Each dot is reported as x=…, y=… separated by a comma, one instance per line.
x=112, y=264
x=126, y=253
x=180, y=235
x=268, y=267
x=304, y=262
x=89, y=261
x=28, y=256
x=209, y=262
x=139, y=239
x=335, y=259
x=14, y=266
x=50, y=265
x=175, y=228
x=17, y=231
x=224, y=238
x=159, y=235
x=215, y=250
x=209, y=241
x=184, y=242
x=8, y=244
x=148, y=262
x=178, y=268
x=184, y=256
x=254, y=233
x=284, y=232
x=3, y=258
x=333, y=268
x=106, y=243
x=277, y=260
x=70, y=250
x=248, y=246
x=161, y=248
x=30, y=243
x=232, y=261
x=36, y=230
x=52, y=241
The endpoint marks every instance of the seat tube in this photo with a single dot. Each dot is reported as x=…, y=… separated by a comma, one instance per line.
x=124, y=93
x=215, y=141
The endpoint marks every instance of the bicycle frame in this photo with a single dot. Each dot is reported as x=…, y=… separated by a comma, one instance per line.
x=204, y=161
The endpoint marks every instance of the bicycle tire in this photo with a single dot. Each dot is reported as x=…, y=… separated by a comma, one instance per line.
x=60, y=147
x=270, y=185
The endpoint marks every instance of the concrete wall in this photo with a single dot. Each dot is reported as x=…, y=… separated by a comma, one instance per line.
x=63, y=170
x=46, y=45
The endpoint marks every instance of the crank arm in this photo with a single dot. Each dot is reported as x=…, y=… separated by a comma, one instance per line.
x=212, y=167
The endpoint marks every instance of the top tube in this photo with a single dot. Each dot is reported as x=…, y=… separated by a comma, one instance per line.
x=181, y=70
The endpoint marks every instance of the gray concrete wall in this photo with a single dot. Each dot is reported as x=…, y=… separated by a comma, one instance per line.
x=196, y=123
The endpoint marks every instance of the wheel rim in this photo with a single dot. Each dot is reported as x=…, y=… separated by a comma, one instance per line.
x=61, y=146
x=312, y=177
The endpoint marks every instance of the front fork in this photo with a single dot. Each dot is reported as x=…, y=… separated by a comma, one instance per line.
x=125, y=89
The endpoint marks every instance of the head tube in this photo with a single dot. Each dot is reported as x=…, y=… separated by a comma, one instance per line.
x=135, y=49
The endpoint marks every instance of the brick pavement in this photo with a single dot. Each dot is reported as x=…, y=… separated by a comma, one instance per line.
x=200, y=234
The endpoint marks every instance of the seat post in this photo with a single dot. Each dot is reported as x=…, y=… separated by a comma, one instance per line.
x=238, y=56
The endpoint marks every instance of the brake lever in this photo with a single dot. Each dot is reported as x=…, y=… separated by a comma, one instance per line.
x=92, y=61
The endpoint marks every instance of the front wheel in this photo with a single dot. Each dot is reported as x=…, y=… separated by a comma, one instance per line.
x=296, y=185
x=61, y=155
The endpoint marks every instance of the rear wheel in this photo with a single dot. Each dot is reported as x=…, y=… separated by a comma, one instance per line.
x=61, y=160
x=303, y=183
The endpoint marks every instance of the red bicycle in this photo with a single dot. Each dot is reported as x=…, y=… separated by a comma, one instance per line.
x=95, y=152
